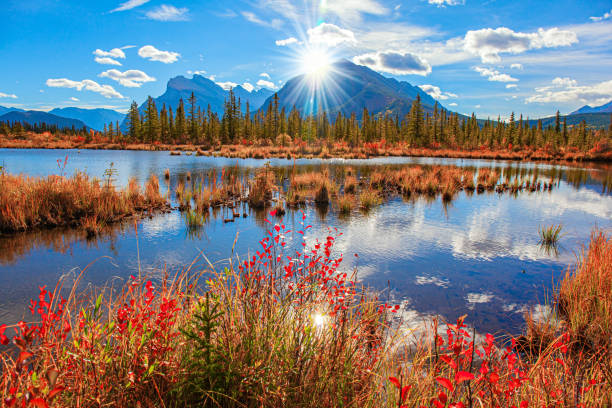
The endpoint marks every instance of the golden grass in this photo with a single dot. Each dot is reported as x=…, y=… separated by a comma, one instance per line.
x=585, y=295
x=30, y=202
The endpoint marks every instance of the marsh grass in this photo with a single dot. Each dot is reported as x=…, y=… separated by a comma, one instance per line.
x=550, y=236
x=585, y=295
x=28, y=203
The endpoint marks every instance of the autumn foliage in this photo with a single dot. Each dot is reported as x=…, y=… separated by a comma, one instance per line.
x=281, y=328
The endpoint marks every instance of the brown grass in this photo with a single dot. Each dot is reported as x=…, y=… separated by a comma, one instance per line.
x=28, y=203
x=585, y=295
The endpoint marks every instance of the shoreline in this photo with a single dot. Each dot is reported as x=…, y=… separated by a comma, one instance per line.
x=322, y=152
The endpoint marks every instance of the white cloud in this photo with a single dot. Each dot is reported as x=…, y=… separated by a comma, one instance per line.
x=114, y=53
x=212, y=77
x=197, y=72
x=452, y=104
x=107, y=61
x=477, y=106
x=442, y=3
x=568, y=90
x=436, y=93
x=153, y=54
x=494, y=75
x=5, y=95
x=604, y=17
x=132, y=78
x=274, y=23
x=105, y=90
x=516, y=66
x=394, y=62
x=287, y=41
x=352, y=10
x=168, y=13
x=488, y=43
x=226, y=85
x=130, y=4
x=510, y=86
x=266, y=84
x=248, y=86
x=72, y=98
x=564, y=82
x=330, y=35
x=265, y=75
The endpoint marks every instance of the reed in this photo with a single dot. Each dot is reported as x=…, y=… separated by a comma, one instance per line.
x=585, y=295
x=346, y=203
x=549, y=236
x=368, y=199
x=31, y=202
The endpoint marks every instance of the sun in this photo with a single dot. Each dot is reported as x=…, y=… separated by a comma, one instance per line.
x=316, y=63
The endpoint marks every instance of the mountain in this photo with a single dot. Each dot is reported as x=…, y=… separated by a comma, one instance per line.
x=93, y=118
x=38, y=117
x=596, y=120
x=597, y=109
x=4, y=110
x=349, y=88
x=207, y=92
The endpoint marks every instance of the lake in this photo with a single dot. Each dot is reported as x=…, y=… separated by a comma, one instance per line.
x=477, y=255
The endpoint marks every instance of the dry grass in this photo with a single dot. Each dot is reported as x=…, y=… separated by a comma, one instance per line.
x=298, y=149
x=29, y=202
x=585, y=295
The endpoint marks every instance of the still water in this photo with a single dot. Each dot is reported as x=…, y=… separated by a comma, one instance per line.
x=477, y=255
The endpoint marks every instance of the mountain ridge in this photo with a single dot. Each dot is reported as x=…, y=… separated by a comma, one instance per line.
x=605, y=108
x=33, y=117
x=94, y=118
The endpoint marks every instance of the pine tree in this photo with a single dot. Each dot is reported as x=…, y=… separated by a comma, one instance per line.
x=180, y=122
x=415, y=123
x=193, y=121
x=151, y=123
x=134, y=122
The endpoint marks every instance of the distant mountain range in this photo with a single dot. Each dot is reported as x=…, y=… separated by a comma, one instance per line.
x=606, y=108
x=350, y=88
x=93, y=118
x=38, y=117
x=597, y=120
x=4, y=110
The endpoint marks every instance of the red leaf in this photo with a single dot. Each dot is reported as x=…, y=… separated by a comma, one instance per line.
x=446, y=383
x=448, y=360
x=395, y=382
x=56, y=391
x=39, y=402
x=23, y=356
x=272, y=213
x=442, y=397
x=405, y=391
x=463, y=376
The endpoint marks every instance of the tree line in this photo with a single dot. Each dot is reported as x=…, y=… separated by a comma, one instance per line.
x=190, y=124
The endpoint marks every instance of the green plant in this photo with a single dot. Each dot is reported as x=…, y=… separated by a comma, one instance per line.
x=549, y=236
x=110, y=174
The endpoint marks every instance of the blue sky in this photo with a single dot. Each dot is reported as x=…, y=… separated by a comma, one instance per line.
x=484, y=56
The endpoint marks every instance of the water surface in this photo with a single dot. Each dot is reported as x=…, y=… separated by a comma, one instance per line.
x=478, y=254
